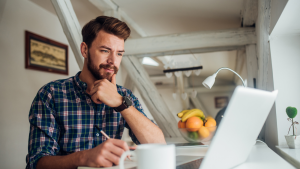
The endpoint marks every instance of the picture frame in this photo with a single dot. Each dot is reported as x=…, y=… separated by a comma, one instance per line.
x=221, y=102
x=45, y=54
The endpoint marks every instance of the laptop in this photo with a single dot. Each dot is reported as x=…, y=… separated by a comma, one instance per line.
x=242, y=122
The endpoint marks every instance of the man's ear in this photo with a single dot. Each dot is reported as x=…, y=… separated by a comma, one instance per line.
x=84, y=50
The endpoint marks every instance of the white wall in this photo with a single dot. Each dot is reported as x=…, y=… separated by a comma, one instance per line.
x=285, y=60
x=277, y=7
x=18, y=86
x=208, y=101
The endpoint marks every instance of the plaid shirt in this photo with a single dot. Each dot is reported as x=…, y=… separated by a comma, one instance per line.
x=62, y=119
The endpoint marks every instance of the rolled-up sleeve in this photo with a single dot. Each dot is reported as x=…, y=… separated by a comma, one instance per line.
x=44, y=131
x=138, y=106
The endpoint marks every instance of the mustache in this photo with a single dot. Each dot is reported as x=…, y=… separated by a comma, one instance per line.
x=108, y=66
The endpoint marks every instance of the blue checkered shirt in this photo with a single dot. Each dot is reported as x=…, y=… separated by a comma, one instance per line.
x=62, y=119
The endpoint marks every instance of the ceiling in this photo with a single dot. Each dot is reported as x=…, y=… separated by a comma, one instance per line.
x=161, y=17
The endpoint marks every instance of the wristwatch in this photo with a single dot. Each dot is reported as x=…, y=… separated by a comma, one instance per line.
x=125, y=104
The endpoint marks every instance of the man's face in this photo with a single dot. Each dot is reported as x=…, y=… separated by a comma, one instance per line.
x=105, y=55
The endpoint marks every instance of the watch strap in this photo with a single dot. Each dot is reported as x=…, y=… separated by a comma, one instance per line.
x=122, y=107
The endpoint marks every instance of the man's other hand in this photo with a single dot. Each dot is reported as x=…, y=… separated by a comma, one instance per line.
x=106, y=92
x=105, y=154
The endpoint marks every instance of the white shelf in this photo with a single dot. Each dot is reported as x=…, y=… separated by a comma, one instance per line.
x=290, y=155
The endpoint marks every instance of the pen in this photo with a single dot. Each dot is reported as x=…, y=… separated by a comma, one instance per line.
x=105, y=135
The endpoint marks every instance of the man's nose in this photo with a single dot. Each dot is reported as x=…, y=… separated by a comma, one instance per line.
x=111, y=58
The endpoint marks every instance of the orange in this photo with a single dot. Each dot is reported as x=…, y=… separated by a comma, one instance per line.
x=181, y=124
x=193, y=123
x=209, y=117
x=211, y=124
x=203, y=132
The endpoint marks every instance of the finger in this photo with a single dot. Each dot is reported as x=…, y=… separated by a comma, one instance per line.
x=106, y=163
x=94, y=89
x=98, y=81
x=120, y=143
x=96, y=99
x=116, y=150
x=113, y=79
x=112, y=158
x=132, y=148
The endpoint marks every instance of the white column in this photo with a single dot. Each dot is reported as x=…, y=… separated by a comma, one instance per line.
x=252, y=65
x=156, y=105
x=71, y=27
x=195, y=40
x=263, y=46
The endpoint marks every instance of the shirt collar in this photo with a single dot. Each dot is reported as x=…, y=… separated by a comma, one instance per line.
x=82, y=85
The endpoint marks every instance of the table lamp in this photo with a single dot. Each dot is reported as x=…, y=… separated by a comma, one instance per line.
x=209, y=82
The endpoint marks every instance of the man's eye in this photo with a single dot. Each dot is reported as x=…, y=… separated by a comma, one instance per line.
x=105, y=51
x=120, y=54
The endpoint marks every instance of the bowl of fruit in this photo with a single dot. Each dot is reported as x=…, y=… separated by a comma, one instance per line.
x=195, y=127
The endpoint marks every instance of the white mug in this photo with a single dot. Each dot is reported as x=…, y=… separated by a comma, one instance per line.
x=150, y=156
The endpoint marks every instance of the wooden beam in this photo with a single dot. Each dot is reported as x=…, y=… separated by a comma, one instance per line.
x=132, y=24
x=109, y=8
x=71, y=27
x=196, y=40
x=2, y=7
x=252, y=66
x=163, y=80
x=227, y=88
x=112, y=13
x=239, y=64
x=129, y=84
x=181, y=86
x=189, y=51
x=156, y=105
x=249, y=13
x=249, y=19
x=197, y=103
x=263, y=46
x=104, y=5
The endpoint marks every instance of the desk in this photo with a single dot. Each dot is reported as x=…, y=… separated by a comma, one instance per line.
x=261, y=157
x=290, y=155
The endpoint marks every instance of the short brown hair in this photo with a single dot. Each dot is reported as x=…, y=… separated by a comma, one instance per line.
x=108, y=24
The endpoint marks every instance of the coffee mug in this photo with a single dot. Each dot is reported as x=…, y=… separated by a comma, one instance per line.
x=150, y=156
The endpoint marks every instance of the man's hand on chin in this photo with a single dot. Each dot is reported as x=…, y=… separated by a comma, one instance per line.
x=106, y=92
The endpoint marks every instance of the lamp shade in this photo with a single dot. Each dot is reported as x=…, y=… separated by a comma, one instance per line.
x=209, y=81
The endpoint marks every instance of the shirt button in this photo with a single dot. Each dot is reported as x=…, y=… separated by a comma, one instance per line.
x=97, y=134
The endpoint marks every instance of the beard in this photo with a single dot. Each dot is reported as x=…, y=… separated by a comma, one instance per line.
x=96, y=71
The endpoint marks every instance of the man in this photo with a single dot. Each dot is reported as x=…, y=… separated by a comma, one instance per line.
x=66, y=115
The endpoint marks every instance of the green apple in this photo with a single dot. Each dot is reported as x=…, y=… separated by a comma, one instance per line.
x=193, y=135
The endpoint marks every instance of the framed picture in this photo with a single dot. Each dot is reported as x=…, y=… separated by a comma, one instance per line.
x=45, y=54
x=221, y=102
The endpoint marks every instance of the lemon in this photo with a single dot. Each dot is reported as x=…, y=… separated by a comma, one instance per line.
x=203, y=132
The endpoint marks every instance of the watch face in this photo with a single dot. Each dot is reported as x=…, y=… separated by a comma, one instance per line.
x=127, y=101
